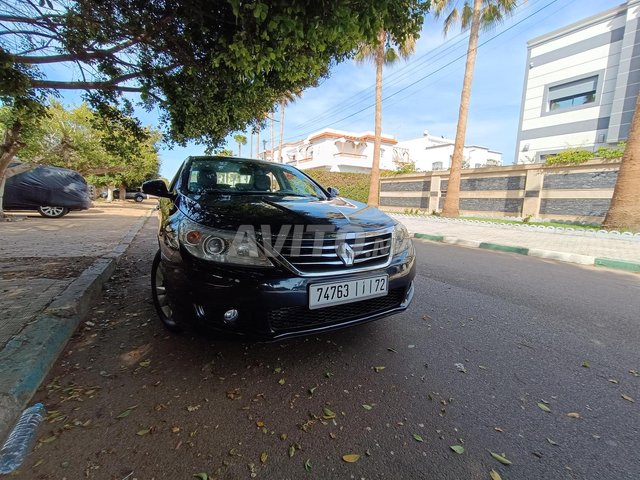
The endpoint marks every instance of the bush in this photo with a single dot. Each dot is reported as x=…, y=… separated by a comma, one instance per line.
x=350, y=185
x=574, y=156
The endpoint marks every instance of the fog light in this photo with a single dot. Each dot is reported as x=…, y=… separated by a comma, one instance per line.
x=231, y=315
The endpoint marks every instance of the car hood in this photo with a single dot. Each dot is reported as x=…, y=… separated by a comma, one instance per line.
x=232, y=211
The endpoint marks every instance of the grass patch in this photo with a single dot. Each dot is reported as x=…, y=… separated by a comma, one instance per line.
x=546, y=224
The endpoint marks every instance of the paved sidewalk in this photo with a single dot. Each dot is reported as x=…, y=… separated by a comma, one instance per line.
x=50, y=271
x=576, y=247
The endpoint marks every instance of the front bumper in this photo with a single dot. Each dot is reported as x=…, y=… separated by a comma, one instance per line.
x=273, y=303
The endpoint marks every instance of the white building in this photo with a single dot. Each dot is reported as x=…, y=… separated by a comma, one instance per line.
x=430, y=152
x=342, y=151
x=581, y=85
x=338, y=151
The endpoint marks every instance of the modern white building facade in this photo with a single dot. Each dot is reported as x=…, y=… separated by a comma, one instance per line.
x=581, y=85
x=431, y=152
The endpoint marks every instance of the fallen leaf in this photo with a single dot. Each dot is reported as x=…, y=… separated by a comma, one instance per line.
x=498, y=429
x=145, y=363
x=543, y=407
x=551, y=442
x=417, y=437
x=635, y=373
x=234, y=452
x=175, y=429
x=378, y=369
x=585, y=364
x=278, y=370
x=460, y=367
x=628, y=398
x=327, y=413
x=50, y=439
x=573, y=415
x=281, y=381
x=283, y=436
x=307, y=465
x=260, y=424
x=392, y=350
x=613, y=380
x=459, y=449
x=201, y=476
x=263, y=457
x=193, y=408
x=292, y=450
x=311, y=390
x=482, y=367
x=367, y=407
x=127, y=412
x=328, y=374
x=351, y=458
x=501, y=458
x=495, y=475
x=141, y=433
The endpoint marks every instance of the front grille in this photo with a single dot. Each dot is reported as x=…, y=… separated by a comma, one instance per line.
x=294, y=318
x=310, y=253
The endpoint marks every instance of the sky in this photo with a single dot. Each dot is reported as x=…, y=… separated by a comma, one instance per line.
x=422, y=93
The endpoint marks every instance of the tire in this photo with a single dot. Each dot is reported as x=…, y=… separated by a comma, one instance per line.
x=52, y=212
x=138, y=198
x=171, y=317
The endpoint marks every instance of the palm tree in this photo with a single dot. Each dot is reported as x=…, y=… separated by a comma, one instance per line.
x=240, y=140
x=287, y=97
x=483, y=14
x=625, y=204
x=386, y=51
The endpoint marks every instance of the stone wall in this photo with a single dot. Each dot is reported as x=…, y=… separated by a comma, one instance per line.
x=579, y=192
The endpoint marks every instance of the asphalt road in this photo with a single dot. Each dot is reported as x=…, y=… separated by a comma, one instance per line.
x=132, y=401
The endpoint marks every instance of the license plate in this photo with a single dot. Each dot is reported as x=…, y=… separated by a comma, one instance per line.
x=335, y=293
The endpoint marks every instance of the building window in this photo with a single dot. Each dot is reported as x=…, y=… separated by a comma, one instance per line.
x=437, y=166
x=573, y=94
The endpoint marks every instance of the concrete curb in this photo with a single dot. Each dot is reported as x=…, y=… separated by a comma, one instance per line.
x=28, y=357
x=536, y=252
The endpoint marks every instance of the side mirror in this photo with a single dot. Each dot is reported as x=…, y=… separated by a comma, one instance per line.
x=157, y=188
x=333, y=192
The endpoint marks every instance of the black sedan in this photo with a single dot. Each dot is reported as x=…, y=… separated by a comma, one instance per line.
x=260, y=249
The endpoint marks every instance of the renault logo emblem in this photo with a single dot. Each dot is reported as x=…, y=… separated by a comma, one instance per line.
x=346, y=253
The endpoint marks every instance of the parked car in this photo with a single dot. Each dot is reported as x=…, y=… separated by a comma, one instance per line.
x=136, y=195
x=260, y=249
x=52, y=191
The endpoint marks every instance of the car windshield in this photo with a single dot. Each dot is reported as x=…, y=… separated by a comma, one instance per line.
x=240, y=176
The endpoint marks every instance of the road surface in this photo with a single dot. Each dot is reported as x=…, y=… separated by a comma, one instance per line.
x=499, y=353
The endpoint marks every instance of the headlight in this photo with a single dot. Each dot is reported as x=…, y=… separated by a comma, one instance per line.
x=221, y=246
x=402, y=240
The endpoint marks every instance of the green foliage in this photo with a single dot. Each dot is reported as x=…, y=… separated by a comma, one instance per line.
x=611, y=152
x=405, y=168
x=571, y=156
x=575, y=156
x=225, y=152
x=103, y=149
x=211, y=66
x=350, y=185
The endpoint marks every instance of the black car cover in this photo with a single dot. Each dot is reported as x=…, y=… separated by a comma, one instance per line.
x=47, y=186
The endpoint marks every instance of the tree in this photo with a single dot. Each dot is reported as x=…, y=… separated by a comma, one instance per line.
x=78, y=138
x=624, y=210
x=235, y=57
x=474, y=15
x=284, y=100
x=386, y=50
x=240, y=140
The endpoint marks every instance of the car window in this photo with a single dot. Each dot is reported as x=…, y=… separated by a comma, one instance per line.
x=223, y=175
